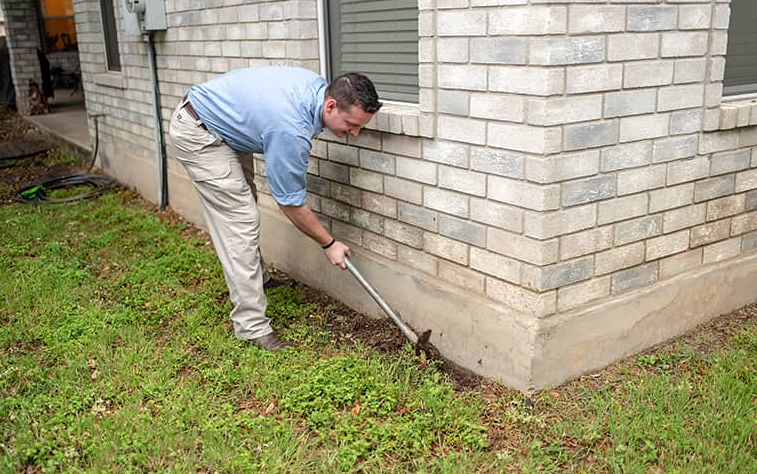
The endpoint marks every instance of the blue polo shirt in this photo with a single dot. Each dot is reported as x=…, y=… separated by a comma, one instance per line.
x=276, y=111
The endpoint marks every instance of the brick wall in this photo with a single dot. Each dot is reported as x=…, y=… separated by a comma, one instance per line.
x=21, y=33
x=562, y=151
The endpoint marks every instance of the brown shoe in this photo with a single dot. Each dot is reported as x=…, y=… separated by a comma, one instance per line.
x=277, y=282
x=272, y=342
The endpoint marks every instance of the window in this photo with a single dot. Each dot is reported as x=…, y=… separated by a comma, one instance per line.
x=58, y=26
x=741, y=56
x=112, y=59
x=378, y=38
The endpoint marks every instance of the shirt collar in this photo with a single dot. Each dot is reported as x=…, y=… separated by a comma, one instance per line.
x=320, y=95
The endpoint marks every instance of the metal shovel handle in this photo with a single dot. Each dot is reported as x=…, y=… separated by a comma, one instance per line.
x=412, y=337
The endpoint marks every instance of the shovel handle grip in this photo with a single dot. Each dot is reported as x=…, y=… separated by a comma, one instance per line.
x=409, y=334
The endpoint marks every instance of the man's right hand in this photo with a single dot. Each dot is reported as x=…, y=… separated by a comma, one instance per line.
x=336, y=253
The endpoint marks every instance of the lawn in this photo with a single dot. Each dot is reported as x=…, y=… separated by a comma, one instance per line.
x=117, y=355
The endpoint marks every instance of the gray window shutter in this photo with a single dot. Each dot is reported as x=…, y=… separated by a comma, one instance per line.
x=378, y=38
x=741, y=56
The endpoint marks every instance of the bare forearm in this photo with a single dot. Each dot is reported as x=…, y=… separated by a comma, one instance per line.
x=306, y=221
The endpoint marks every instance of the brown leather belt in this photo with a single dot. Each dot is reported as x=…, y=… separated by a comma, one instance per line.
x=191, y=111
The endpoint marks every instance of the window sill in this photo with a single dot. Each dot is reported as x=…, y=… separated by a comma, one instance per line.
x=402, y=119
x=110, y=79
x=734, y=114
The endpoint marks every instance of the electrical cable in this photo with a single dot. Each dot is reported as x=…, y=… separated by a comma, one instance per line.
x=37, y=193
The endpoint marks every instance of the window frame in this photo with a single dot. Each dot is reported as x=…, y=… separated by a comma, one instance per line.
x=110, y=33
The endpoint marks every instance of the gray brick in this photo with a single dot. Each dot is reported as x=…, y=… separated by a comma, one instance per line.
x=453, y=102
x=498, y=50
x=687, y=170
x=402, y=145
x=633, y=278
x=406, y=234
x=468, y=182
x=497, y=215
x=495, y=265
x=335, y=172
x=643, y=127
x=676, y=148
x=556, y=168
x=379, y=204
x=367, y=220
x=648, y=73
x=666, y=245
x=627, y=47
x=346, y=194
x=682, y=218
x=525, y=301
x=744, y=223
x=619, y=258
x=559, y=111
x=641, y=179
x=416, y=170
x=725, y=207
x=519, y=193
x=751, y=200
x=418, y=216
x=669, y=198
x=690, y=70
x=728, y=162
x=618, y=104
x=403, y=189
x=749, y=243
x=367, y=180
x=620, y=209
x=417, y=259
x=466, y=231
x=380, y=245
x=596, y=19
x=595, y=78
x=652, y=18
x=335, y=209
x=558, y=275
x=497, y=162
x=461, y=276
x=376, y=161
x=720, y=251
x=680, y=97
x=582, y=136
x=629, y=155
x=577, y=295
x=588, y=190
x=319, y=186
x=638, y=229
x=709, y=233
x=714, y=187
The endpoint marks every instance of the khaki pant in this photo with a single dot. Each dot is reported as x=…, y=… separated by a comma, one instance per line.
x=231, y=214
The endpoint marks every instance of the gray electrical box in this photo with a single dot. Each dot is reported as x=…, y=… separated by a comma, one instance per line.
x=142, y=16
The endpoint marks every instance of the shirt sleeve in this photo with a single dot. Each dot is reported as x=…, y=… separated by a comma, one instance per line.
x=286, y=164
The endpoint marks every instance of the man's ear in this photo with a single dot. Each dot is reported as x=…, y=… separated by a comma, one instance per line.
x=330, y=104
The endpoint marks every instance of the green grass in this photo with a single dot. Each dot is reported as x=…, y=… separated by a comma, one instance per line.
x=116, y=355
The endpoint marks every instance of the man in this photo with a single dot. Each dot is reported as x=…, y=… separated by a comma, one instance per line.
x=276, y=111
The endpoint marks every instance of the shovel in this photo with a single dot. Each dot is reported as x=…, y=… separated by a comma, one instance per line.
x=420, y=343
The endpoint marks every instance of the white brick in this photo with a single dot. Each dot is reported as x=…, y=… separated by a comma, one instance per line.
x=725, y=207
x=522, y=194
x=648, y=73
x=448, y=153
x=629, y=155
x=667, y=245
x=468, y=182
x=445, y=201
x=603, y=77
x=498, y=50
x=520, y=299
x=643, y=127
x=403, y=190
x=682, y=218
x=525, y=138
x=461, y=23
x=446, y=248
x=552, y=224
x=519, y=80
x=622, y=208
x=380, y=245
x=596, y=19
x=520, y=247
x=670, y=149
x=497, y=215
x=687, y=170
x=690, y=70
x=680, y=263
x=721, y=251
x=570, y=50
x=495, y=265
x=497, y=107
x=562, y=167
x=641, y=179
x=652, y=18
x=695, y=17
x=585, y=242
x=669, y=198
x=466, y=77
x=453, y=102
x=452, y=50
x=499, y=162
x=626, y=47
x=528, y=21
x=686, y=121
x=417, y=259
x=634, y=102
x=679, y=44
x=556, y=111
x=402, y=145
x=573, y=296
x=461, y=276
x=590, y=135
x=462, y=130
x=366, y=180
x=619, y=258
x=379, y=204
x=416, y=170
x=680, y=97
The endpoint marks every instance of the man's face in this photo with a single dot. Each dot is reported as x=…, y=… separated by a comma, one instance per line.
x=343, y=122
